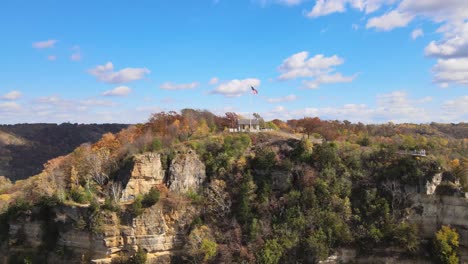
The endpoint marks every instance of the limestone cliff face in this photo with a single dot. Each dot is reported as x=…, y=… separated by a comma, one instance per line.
x=431, y=212
x=187, y=172
x=160, y=230
x=146, y=173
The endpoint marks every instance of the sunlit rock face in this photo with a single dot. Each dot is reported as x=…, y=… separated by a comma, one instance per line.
x=187, y=172
x=147, y=172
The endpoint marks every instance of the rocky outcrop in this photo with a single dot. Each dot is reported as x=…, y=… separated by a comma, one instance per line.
x=186, y=173
x=431, y=185
x=431, y=212
x=146, y=173
x=160, y=230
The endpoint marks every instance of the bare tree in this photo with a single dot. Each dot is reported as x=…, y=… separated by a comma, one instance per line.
x=116, y=191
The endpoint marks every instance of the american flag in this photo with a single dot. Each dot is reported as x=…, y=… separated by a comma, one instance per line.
x=254, y=91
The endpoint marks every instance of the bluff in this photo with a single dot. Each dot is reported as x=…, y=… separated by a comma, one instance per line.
x=97, y=236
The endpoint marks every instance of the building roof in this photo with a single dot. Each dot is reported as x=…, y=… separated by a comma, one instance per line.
x=248, y=122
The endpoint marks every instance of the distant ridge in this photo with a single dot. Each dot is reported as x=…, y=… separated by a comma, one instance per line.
x=24, y=148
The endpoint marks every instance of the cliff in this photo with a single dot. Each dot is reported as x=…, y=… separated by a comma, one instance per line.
x=98, y=235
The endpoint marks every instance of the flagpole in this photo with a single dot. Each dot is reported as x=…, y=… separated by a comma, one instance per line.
x=251, y=114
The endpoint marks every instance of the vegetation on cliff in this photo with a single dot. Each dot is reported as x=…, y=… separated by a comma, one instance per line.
x=271, y=197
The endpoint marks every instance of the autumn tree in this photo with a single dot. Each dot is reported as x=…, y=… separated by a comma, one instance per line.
x=232, y=118
x=446, y=244
x=310, y=125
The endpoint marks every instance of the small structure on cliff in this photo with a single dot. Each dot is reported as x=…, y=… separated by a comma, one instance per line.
x=248, y=125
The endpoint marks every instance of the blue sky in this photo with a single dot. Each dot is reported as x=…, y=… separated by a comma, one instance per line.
x=372, y=61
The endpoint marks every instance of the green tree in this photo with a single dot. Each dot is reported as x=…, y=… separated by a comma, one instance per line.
x=151, y=198
x=271, y=252
x=446, y=245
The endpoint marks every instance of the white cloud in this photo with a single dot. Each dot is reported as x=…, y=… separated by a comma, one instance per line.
x=451, y=71
x=454, y=45
x=327, y=79
x=118, y=91
x=451, y=14
x=437, y=10
x=319, y=68
x=327, y=7
x=390, y=20
x=417, y=33
x=105, y=73
x=9, y=106
x=11, y=96
x=458, y=105
x=235, y=88
x=96, y=102
x=299, y=65
x=214, y=81
x=288, y=98
x=44, y=44
x=51, y=57
x=181, y=86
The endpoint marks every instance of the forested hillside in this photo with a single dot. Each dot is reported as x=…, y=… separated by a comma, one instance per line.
x=24, y=148
x=180, y=189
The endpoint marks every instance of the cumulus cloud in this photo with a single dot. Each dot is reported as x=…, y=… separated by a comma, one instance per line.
x=235, y=88
x=455, y=43
x=288, y=98
x=118, y=91
x=106, y=73
x=319, y=68
x=44, y=44
x=181, y=86
x=417, y=33
x=451, y=71
x=51, y=57
x=390, y=20
x=11, y=96
x=326, y=7
x=451, y=14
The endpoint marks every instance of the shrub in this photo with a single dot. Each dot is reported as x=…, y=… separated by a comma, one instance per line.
x=208, y=248
x=139, y=257
x=80, y=195
x=110, y=205
x=151, y=198
x=446, y=245
x=137, y=207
